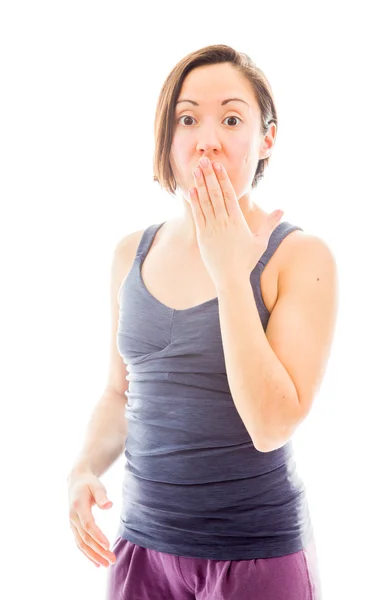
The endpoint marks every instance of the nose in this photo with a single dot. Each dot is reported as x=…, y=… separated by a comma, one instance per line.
x=207, y=151
x=208, y=143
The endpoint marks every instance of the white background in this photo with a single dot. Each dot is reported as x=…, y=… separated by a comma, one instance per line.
x=79, y=86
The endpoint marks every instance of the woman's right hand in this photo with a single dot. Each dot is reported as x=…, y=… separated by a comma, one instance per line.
x=86, y=490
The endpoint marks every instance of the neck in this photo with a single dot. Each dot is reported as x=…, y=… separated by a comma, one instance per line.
x=184, y=225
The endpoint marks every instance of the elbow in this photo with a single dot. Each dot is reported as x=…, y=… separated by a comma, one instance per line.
x=278, y=435
x=271, y=443
x=269, y=447
x=262, y=445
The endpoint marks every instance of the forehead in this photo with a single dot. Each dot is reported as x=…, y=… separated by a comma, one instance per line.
x=211, y=84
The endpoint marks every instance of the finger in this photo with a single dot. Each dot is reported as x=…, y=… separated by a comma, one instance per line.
x=229, y=197
x=214, y=190
x=89, y=546
x=82, y=512
x=203, y=195
x=89, y=553
x=196, y=207
x=83, y=527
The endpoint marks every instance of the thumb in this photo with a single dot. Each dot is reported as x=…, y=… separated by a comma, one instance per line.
x=102, y=499
x=273, y=220
x=276, y=216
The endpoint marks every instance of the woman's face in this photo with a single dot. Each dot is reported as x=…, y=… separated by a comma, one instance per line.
x=228, y=133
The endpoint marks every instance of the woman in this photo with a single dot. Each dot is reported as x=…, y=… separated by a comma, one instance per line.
x=224, y=319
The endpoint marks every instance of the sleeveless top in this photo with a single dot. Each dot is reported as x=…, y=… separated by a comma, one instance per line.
x=194, y=485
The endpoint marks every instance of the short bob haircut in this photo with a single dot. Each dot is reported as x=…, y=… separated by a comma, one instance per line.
x=164, y=124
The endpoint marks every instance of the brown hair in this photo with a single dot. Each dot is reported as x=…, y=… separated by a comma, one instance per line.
x=164, y=124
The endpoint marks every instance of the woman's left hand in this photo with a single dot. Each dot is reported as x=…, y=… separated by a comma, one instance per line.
x=227, y=246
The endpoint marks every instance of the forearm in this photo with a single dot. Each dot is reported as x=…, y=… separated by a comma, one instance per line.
x=105, y=436
x=262, y=390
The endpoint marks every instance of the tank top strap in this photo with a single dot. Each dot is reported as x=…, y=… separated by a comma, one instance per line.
x=147, y=239
x=278, y=235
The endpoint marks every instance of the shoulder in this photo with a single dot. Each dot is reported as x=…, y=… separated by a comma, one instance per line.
x=123, y=258
x=307, y=255
x=128, y=244
x=124, y=252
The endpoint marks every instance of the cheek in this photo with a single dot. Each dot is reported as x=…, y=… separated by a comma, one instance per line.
x=241, y=151
x=180, y=153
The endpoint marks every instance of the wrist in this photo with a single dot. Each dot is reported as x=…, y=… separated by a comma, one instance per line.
x=78, y=470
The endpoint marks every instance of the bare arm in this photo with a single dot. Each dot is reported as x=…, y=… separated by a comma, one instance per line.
x=107, y=427
x=105, y=436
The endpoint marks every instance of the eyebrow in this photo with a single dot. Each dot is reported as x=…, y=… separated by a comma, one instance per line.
x=222, y=103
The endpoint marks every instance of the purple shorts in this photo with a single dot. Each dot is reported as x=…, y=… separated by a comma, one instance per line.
x=144, y=574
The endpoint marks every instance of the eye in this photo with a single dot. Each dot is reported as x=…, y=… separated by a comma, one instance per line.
x=190, y=117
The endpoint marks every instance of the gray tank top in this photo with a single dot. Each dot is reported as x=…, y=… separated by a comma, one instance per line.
x=194, y=485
